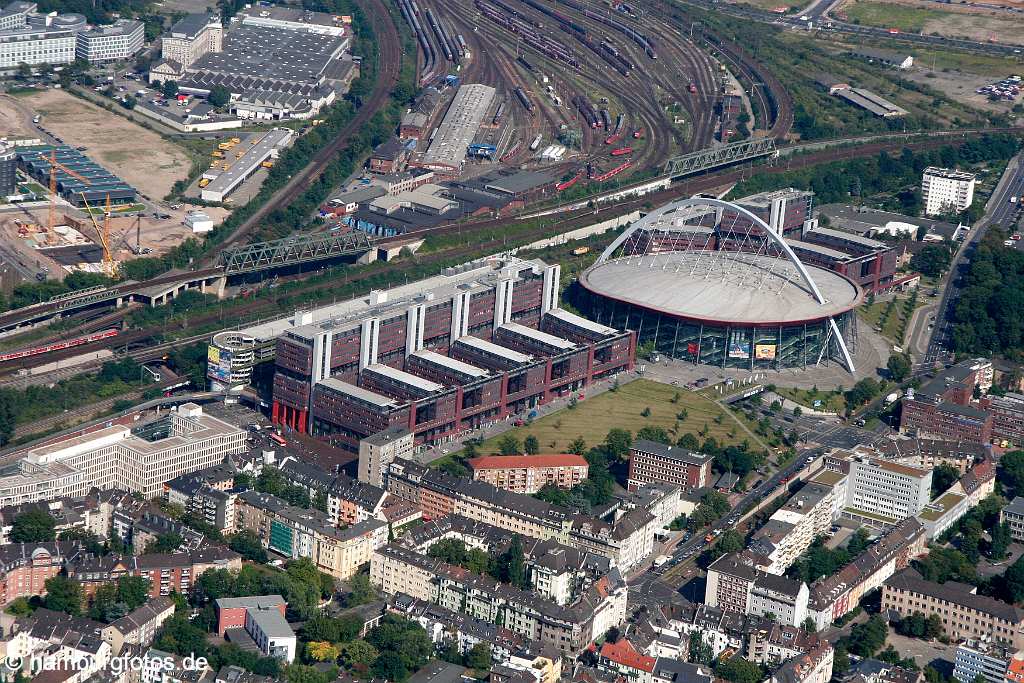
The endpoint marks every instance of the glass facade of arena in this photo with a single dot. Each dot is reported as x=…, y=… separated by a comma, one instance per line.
x=790, y=345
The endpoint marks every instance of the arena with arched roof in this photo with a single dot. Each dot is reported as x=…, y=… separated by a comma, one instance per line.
x=706, y=281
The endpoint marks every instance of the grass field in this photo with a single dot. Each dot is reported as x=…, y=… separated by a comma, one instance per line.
x=893, y=325
x=829, y=402
x=593, y=417
x=890, y=15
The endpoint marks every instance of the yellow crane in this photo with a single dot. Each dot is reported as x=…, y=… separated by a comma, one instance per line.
x=104, y=233
x=109, y=267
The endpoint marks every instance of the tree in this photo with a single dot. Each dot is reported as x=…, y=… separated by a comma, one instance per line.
x=133, y=591
x=361, y=591
x=358, y=654
x=689, y=442
x=617, y=442
x=932, y=260
x=219, y=96
x=531, y=445
x=63, y=595
x=1011, y=471
x=578, y=446
x=943, y=476
x=248, y=545
x=739, y=670
x=169, y=88
x=19, y=607
x=1000, y=541
x=700, y=652
x=867, y=638
x=509, y=445
x=898, y=366
x=389, y=666
x=511, y=564
x=165, y=543
x=479, y=657
x=7, y=418
x=809, y=626
x=129, y=102
x=34, y=526
x=321, y=651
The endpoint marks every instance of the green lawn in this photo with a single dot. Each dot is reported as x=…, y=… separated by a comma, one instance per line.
x=829, y=402
x=892, y=326
x=593, y=417
x=887, y=15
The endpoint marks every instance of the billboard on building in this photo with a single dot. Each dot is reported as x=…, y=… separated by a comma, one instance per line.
x=218, y=364
x=739, y=345
x=764, y=351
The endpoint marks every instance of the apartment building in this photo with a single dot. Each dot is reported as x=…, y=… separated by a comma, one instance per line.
x=880, y=492
x=167, y=572
x=1013, y=515
x=834, y=596
x=296, y=532
x=626, y=541
x=379, y=450
x=140, y=626
x=965, y=614
x=772, y=643
x=529, y=473
x=138, y=459
x=980, y=658
x=652, y=462
x=943, y=512
x=736, y=583
x=813, y=666
x=946, y=190
x=116, y=42
x=1007, y=418
x=791, y=530
x=567, y=628
x=25, y=567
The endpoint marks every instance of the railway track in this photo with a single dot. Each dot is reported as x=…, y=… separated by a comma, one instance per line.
x=388, y=67
x=145, y=350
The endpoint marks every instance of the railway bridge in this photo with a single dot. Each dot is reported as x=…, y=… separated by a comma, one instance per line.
x=234, y=262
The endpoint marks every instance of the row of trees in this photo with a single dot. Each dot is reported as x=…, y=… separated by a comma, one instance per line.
x=884, y=174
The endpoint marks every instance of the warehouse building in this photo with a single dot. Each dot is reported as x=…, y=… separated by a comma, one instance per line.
x=94, y=185
x=273, y=73
x=364, y=369
x=294, y=19
x=225, y=182
x=118, y=41
x=871, y=102
x=447, y=150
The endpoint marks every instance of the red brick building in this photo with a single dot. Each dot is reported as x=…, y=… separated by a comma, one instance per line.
x=231, y=611
x=652, y=462
x=25, y=567
x=944, y=407
x=167, y=572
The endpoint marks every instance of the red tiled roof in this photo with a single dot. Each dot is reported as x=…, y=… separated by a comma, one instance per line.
x=500, y=462
x=625, y=654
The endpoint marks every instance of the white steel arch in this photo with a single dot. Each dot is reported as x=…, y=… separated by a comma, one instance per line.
x=718, y=204
x=772, y=235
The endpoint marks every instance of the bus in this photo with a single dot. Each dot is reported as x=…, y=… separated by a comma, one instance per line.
x=278, y=439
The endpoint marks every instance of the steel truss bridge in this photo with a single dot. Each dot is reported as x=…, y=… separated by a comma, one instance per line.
x=713, y=157
x=292, y=250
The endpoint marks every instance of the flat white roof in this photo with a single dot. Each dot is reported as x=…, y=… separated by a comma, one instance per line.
x=451, y=363
x=359, y=393
x=405, y=378
x=537, y=335
x=240, y=169
x=580, y=321
x=494, y=349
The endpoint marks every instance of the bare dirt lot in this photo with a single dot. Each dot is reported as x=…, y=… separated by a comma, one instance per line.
x=15, y=118
x=928, y=17
x=141, y=157
x=961, y=86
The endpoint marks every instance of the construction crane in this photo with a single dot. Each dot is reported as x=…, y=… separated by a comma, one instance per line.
x=104, y=233
x=109, y=267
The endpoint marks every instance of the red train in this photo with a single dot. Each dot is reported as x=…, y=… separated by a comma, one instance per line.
x=570, y=182
x=621, y=150
x=58, y=346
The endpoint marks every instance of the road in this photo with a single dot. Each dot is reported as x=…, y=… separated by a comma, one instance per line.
x=655, y=586
x=999, y=211
x=794, y=21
